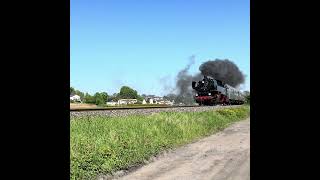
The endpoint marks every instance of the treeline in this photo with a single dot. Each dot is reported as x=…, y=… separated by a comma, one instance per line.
x=100, y=98
x=247, y=97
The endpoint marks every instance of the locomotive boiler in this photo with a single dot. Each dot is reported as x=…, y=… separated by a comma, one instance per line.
x=211, y=91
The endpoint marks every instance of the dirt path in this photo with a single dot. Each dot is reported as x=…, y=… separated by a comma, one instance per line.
x=225, y=155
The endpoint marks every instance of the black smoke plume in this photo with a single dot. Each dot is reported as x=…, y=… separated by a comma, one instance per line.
x=183, y=92
x=223, y=70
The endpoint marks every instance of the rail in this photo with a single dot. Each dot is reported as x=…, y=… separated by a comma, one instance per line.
x=124, y=108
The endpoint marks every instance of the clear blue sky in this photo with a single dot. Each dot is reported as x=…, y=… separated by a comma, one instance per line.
x=139, y=43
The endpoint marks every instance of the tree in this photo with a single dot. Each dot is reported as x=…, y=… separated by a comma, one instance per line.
x=72, y=90
x=104, y=96
x=170, y=97
x=140, y=98
x=128, y=93
x=79, y=93
x=114, y=97
x=100, y=98
x=89, y=99
x=247, y=96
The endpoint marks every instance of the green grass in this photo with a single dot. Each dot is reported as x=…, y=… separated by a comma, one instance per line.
x=102, y=145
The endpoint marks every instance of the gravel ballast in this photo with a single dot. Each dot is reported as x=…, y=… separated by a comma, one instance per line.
x=126, y=112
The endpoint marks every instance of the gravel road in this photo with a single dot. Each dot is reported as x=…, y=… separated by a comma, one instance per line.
x=222, y=156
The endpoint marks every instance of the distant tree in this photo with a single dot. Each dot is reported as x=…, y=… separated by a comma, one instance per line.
x=104, y=96
x=89, y=99
x=128, y=93
x=100, y=98
x=247, y=96
x=170, y=97
x=140, y=99
x=97, y=98
x=79, y=93
x=248, y=99
x=114, y=97
x=72, y=90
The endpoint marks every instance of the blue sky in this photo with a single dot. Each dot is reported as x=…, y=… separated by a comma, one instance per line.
x=141, y=43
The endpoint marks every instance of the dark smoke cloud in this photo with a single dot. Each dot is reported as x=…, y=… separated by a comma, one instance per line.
x=183, y=90
x=223, y=70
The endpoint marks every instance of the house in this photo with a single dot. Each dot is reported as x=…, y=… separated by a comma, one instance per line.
x=127, y=101
x=75, y=97
x=158, y=100
x=144, y=102
x=112, y=103
x=166, y=102
x=169, y=102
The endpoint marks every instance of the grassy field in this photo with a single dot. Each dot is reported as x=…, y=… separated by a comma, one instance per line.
x=102, y=145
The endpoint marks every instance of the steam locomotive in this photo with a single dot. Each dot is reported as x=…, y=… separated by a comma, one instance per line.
x=211, y=91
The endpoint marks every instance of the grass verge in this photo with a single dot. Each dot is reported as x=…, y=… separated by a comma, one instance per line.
x=102, y=145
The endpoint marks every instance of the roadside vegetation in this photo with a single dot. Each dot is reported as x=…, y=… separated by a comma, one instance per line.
x=100, y=98
x=102, y=145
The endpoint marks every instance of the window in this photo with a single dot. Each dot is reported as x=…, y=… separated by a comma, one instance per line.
x=219, y=83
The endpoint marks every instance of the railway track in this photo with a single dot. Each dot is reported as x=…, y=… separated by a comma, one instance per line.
x=124, y=108
x=125, y=111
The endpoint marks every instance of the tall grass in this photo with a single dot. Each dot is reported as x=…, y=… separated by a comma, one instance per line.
x=102, y=145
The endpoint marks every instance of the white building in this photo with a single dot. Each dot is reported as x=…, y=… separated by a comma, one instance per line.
x=75, y=98
x=112, y=103
x=144, y=102
x=169, y=103
x=166, y=102
x=127, y=101
x=159, y=100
